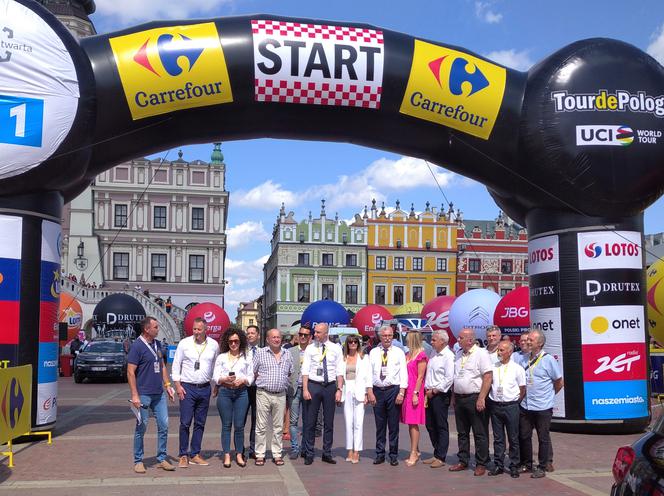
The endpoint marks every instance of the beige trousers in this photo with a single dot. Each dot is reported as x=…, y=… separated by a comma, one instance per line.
x=269, y=411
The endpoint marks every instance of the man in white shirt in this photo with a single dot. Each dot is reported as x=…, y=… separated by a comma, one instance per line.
x=253, y=338
x=438, y=387
x=192, y=372
x=472, y=380
x=294, y=399
x=322, y=380
x=507, y=390
x=493, y=335
x=390, y=380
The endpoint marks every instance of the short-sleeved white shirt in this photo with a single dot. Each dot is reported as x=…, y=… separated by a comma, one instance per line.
x=469, y=369
x=507, y=380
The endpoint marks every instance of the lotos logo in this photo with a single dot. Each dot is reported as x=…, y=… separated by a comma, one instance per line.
x=172, y=68
x=604, y=135
x=12, y=403
x=593, y=250
x=454, y=89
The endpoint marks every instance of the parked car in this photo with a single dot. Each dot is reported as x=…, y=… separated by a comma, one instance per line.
x=638, y=469
x=99, y=359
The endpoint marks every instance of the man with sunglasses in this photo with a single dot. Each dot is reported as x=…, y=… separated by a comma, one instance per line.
x=295, y=402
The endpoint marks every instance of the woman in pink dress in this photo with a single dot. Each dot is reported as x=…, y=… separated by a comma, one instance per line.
x=412, y=409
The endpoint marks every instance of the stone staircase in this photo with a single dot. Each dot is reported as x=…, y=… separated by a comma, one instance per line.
x=170, y=324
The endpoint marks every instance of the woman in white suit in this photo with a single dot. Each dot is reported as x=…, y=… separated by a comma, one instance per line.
x=357, y=380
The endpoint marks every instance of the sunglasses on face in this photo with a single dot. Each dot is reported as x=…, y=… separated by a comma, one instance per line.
x=233, y=341
x=353, y=342
x=303, y=334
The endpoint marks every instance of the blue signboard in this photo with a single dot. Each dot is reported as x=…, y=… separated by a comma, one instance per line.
x=616, y=399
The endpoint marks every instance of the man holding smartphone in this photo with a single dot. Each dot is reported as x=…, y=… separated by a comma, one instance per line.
x=192, y=372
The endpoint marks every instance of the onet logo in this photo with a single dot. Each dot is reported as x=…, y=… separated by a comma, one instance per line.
x=593, y=250
x=170, y=48
x=460, y=74
x=12, y=403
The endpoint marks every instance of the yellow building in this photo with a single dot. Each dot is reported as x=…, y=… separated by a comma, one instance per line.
x=411, y=257
x=248, y=313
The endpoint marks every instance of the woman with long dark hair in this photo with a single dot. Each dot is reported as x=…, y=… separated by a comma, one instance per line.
x=233, y=372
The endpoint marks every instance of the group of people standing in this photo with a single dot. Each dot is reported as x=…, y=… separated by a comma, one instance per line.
x=514, y=391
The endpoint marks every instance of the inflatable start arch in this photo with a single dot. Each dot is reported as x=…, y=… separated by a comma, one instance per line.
x=573, y=148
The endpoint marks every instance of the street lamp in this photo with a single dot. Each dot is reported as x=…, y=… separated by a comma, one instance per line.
x=80, y=261
x=224, y=283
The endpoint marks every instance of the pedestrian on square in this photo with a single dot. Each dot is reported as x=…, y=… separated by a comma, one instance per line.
x=294, y=399
x=272, y=368
x=233, y=372
x=192, y=372
x=507, y=390
x=412, y=409
x=357, y=382
x=150, y=386
x=253, y=337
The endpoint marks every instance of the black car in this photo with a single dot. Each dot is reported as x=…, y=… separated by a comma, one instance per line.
x=638, y=470
x=101, y=359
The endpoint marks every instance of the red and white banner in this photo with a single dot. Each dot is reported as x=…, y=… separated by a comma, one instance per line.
x=614, y=362
x=610, y=250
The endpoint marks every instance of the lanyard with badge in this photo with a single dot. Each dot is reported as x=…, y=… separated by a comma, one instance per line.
x=154, y=353
x=319, y=370
x=499, y=389
x=383, y=362
x=463, y=362
x=197, y=364
x=533, y=363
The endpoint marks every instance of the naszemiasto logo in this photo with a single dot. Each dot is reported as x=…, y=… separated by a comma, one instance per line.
x=172, y=68
x=603, y=101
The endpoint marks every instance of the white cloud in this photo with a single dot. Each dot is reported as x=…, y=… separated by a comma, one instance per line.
x=246, y=233
x=484, y=11
x=265, y=196
x=245, y=282
x=520, y=61
x=656, y=48
x=131, y=11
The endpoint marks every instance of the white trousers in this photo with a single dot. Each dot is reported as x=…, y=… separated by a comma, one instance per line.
x=354, y=416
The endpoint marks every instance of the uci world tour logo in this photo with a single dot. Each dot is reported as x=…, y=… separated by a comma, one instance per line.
x=454, y=89
x=172, y=68
x=593, y=250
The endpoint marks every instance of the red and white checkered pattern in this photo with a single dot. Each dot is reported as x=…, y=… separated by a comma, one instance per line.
x=315, y=93
x=325, y=32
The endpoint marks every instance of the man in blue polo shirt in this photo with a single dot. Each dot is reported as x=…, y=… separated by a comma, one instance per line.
x=146, y=373
x=543, y=381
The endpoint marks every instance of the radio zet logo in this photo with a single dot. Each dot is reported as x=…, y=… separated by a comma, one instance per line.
x=172, y=68
x=614, y=362
x=454, y=89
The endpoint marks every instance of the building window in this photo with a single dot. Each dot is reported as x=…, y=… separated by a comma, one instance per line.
x=196, y=268
x=197, y=219
x=398, y=295
x=417, y=263
x=351, y=293
x=417, y=294
x=504, y=291
x=159, y=218
x=120, y=216
x=351, y=260
x=506, y=266
x=158, y=267
x=121, y=266
x=441, y=264
x=303, y=259
x=381, y=263
x=328, y=291
x=525, y=266
x=380, y=295
x=474, y=265
x=441, y=291
x=303, y=292
x=328, y=259
x=251, y=321
x=398, y=263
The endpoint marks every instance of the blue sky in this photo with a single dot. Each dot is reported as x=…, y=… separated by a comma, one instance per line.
x=263, y=173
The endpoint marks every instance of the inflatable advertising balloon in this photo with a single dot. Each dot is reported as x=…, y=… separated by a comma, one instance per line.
x=473, y=309
x=369, y=318
x=579, y=139
x=71, y=313
x=512, y=314
x=215, y=317
x=118, y=315
x=437, y=315
x=325, y=311
x=655, y=285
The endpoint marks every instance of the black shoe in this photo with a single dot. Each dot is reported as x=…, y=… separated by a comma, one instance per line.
x=514, y=473
x=496, y=471
x=394, y=462
x=294, y=455
x=308, y=460
x=302, y=455
x=379, y=460
x=252, y=456
x=328, y=459
x=538, y=473
x=525, y=468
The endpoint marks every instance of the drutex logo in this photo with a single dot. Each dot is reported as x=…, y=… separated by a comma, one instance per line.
x=172, y=68
x=454, y=89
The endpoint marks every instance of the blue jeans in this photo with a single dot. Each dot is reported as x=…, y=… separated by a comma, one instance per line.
x=232, y=405
x=294, y=416
x=156, y=403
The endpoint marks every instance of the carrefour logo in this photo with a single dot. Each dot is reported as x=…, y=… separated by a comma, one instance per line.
x=454, y=89
x=12, y=403
x=172, y=68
